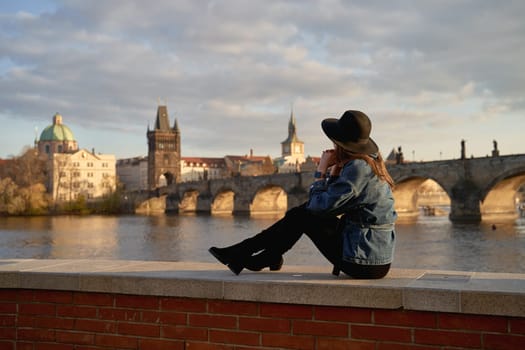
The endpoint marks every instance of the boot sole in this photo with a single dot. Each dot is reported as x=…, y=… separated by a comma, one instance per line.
x=276, y=266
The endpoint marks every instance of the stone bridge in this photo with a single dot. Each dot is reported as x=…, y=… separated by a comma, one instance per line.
x=476, y=187
x=266, y=194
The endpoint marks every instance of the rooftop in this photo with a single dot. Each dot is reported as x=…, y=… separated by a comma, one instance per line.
x=57, y=131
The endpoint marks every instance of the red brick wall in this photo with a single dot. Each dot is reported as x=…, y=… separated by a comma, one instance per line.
x=46, y=320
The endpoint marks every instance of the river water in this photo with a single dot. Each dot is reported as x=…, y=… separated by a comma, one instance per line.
x=430, y=242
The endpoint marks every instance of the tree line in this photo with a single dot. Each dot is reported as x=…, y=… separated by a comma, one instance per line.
x=23, y=190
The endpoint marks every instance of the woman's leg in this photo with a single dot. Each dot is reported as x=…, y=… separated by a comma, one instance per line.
x=322, y=231
x=273, y=242
x=327, y=238
x=280, y=237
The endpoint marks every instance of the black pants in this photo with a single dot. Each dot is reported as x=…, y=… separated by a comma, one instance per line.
x=324, y=233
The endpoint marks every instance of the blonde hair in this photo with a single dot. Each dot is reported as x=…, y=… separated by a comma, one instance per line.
x=376, y=163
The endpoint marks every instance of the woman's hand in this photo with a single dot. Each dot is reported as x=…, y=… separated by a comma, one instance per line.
x=327, y=160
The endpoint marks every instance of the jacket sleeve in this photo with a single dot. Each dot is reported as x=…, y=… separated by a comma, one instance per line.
x=336, y=197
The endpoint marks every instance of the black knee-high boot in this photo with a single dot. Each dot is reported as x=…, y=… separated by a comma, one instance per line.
x=282, y=236
x=278, y=239
x=273, y=241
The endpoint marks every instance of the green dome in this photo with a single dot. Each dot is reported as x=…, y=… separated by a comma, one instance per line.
x=57, y=131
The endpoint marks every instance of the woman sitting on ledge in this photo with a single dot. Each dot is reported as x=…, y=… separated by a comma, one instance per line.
x=349, y=215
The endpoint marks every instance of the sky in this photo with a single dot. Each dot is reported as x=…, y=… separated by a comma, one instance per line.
x=428, y=73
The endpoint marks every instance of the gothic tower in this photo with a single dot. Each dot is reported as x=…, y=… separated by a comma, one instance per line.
x=292, y=146
x=163, y=151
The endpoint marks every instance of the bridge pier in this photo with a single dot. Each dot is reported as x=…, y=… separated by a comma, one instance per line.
x=296, y=198
x=464, y=212
x=204, y=203
x=241, y=205
x=465, y=203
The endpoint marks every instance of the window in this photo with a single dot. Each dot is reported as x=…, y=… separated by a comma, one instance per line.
x=47, y=149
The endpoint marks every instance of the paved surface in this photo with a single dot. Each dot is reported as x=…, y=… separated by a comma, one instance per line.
x=446, y=291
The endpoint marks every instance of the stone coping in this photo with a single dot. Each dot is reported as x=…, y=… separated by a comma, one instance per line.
x=424, y=290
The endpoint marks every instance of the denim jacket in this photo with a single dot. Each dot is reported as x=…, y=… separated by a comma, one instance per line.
x=366, y=208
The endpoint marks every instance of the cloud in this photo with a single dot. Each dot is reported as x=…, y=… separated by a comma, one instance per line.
x=229, y=70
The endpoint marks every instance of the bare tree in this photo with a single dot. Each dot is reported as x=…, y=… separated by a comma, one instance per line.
x=28, y=168
x=22, y=189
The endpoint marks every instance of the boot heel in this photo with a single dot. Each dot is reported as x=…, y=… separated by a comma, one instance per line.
x=277, y=266
x=264, y=260
x=235, y=268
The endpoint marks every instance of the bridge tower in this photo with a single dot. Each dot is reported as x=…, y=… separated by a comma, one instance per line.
x=163, y=151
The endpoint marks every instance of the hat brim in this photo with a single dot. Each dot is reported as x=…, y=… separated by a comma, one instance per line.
x=331, y=128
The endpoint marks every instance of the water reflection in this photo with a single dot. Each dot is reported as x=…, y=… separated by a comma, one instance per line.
x=83, y=236
x=430, y=242
x=436, y=243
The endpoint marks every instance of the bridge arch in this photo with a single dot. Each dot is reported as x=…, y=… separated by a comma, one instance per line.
x=269, y=199
x=189, y=200
x=499, y=197
x=406, y=194
x=223, y=202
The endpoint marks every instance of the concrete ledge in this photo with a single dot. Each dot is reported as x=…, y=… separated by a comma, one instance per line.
x=445, y=291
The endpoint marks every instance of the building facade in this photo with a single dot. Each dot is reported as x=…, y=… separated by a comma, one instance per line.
x=132, y=173
x=202, y=168
x=81, y=173
x=164, y=157
x=249, y=165
x=74, y=172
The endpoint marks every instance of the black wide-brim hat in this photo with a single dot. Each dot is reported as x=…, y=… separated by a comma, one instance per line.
x=351, y=132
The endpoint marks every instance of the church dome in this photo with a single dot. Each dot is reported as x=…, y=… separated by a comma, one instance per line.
x=57, y=131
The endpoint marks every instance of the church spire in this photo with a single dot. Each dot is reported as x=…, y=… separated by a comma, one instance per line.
x=292, y=146
x=291, y=126
x=292, y=130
